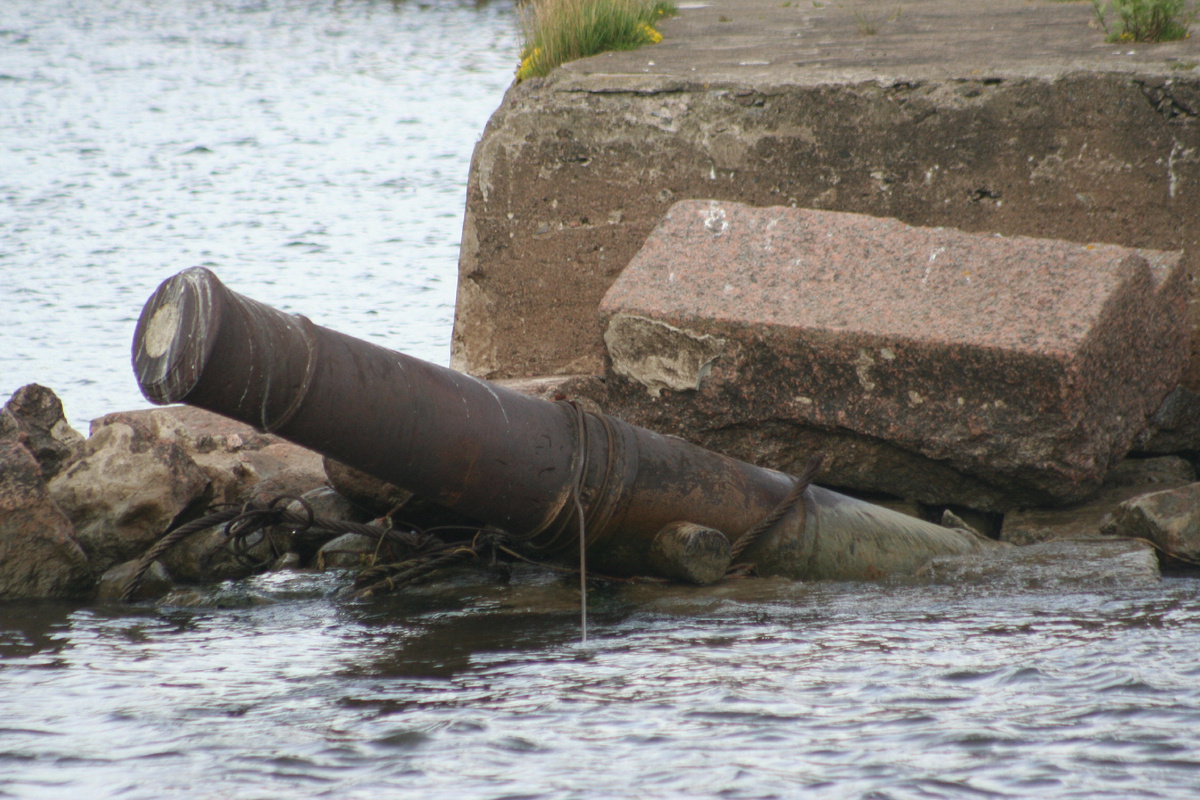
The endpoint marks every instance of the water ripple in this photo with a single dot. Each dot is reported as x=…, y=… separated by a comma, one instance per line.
x=287, y=145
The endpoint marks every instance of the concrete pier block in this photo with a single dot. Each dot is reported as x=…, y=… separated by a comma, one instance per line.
x=1025, y=366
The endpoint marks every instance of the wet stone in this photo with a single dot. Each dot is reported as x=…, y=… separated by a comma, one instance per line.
x=39, y=555
x=323, y=503
x=690, y=553
x=1063, y=564
x=208, y=555
x=1129, y=479
x=1170, y=519
x=349, y=551
x=155, y=583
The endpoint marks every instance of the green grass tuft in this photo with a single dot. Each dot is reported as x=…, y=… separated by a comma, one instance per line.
x=1147, y=20
x=557, y=31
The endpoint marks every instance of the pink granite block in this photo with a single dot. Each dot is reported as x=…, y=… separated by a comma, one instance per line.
x=1030, y=364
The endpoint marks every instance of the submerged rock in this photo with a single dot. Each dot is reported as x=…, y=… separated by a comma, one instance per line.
x=155, y=582
x=1068, y=564
x=349, y=551
x=1129, y=479
x=211, y=555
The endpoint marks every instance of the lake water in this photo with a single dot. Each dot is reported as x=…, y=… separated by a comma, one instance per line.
x=315, y=154
x=755, y=690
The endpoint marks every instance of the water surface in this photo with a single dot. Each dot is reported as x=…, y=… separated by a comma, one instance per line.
x=759, y=689
x=313, y=153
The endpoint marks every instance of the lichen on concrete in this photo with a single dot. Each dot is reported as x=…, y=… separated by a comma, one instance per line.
x=659, y=355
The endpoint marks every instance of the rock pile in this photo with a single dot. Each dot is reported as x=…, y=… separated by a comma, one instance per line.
x=72, y=509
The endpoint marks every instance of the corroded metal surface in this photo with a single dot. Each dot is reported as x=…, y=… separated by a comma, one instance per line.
x=832, y=536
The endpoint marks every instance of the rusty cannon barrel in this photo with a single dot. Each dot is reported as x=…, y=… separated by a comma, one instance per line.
x=525, y=465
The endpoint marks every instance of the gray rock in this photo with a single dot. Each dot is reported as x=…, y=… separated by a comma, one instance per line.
x=689, y=553
x=39, y=556
x=10, y=429
x=953, y=520
x=350, y=551
x=241, y=463
x=208, y=555
x=1129, y=479
x=133, y=479
x=1170, y=519
x=326, y=502
x=35, y=415
x=284, y=468
x=155, y=583
x=1064, y=564
x=1175, y=426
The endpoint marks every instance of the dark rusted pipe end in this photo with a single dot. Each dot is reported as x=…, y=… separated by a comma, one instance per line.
x=199, y=343
x=175, y=335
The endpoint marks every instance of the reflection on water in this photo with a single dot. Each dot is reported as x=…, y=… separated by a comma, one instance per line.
x=757, y=689
x=313, y=153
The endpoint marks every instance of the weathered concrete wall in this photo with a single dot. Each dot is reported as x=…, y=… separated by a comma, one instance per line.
x=997, y=115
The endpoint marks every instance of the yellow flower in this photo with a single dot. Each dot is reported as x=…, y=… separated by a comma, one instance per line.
x=528, y=65
x=652, y=36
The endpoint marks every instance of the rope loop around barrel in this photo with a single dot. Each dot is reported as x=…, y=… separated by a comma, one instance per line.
x=781, y=510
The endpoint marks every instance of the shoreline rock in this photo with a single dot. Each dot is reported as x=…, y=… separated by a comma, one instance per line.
x=39, y=555
x=74, y=510
x=940, y=121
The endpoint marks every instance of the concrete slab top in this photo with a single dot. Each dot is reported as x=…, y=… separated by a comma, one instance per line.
x=834, y=272
x=763, y=42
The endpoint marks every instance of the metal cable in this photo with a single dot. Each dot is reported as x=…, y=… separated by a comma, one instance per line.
x=787, y=504
x=242, y=522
